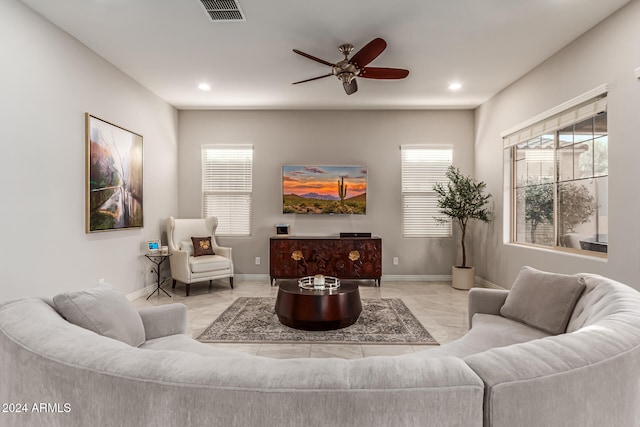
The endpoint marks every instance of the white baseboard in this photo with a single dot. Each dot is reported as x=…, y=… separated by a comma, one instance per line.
x=142, y=292
x=482, y=283
x=389, y=277
x=479, y=281
x=417, y=278
x=251, y=277
x=395, y=277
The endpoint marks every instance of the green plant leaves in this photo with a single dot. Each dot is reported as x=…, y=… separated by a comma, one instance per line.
x=462, y=199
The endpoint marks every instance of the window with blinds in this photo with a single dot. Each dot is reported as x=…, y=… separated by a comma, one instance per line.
x=227, y=175
x=422, y=167
x=559, y=180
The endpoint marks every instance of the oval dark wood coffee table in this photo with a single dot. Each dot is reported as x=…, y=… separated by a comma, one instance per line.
x=318, y=310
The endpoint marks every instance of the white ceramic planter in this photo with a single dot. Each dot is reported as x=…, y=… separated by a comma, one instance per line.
x=463, y=278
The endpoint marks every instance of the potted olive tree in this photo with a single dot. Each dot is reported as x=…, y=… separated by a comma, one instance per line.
x=461, y=200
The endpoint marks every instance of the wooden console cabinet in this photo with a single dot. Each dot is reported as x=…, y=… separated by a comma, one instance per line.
x=293, y=257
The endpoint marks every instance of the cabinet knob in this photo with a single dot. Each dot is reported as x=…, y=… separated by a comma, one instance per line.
x=296, y=255
x=354, y=255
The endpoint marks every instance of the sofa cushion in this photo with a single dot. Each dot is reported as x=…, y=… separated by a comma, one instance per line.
x=543, y=300
x=206, y=263
x=104, y=311
x=488, y=331
x=202, y=246
x=181, y=342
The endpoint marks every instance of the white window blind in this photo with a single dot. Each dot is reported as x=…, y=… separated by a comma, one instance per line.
x=227, y=175
x=422, y=167
x=552, y=120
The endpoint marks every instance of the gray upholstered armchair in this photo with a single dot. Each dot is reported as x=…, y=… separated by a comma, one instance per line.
x=185, y=266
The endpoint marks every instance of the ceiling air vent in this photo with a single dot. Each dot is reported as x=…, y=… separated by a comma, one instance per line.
x=223, y=10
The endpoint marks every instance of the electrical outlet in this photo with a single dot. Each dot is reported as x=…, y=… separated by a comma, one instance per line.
x=257, y=260
x=395, y=260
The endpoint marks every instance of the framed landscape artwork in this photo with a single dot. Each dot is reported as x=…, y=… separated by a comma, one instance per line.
x=332, y=190
x=114, y=177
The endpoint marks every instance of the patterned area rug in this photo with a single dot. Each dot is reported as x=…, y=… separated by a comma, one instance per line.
x=253, y=320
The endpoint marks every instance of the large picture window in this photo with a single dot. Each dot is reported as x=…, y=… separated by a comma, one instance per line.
x=422, y=167
x=560, y=182
x=227, y=175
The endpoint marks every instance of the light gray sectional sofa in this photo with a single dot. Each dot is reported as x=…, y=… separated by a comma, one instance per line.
x=505, y=371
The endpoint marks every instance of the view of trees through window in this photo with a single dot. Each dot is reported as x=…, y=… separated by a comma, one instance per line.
x=561, y=187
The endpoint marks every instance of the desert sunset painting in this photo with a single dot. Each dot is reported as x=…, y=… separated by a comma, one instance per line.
x=324, y=189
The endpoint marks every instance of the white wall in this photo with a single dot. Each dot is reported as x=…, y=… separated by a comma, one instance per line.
x=371, y=138
x=49, y=80
x=609, y=54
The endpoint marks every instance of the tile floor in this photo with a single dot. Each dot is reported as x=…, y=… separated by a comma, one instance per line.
x=441, y=309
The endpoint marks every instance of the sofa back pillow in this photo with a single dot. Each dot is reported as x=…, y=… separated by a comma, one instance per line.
x=104, y=311
x=543, y=300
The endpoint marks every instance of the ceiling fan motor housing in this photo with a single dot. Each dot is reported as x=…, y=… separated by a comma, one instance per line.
x=345, y=71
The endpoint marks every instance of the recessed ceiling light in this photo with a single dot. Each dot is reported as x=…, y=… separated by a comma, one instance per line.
x=204, y=86
x=455, y=86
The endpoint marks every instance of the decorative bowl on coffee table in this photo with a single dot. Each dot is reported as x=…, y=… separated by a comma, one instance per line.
x=319, y=282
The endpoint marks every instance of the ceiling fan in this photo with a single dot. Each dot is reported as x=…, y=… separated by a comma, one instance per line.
x=347, y=69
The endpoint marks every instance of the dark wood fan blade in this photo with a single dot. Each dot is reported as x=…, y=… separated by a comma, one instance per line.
x=383, y=73
x=351, y=87
x=368, y=53
x=313, y=78
x=306, y=55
